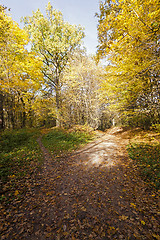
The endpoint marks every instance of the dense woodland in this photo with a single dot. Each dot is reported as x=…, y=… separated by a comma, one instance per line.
x=47, y=78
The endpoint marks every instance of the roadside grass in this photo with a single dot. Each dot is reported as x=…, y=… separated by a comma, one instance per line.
x=20, y=157
x=144, y=149
x=59, y=141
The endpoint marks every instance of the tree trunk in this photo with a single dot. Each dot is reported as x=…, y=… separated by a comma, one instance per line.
x=12, y=119
x=10, y=112
x=30, y=113
x=1, y=111
x=23, y=124
x=58, y=104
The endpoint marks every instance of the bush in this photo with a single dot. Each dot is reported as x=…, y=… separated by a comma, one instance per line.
x=156, y=127
x=140, y=120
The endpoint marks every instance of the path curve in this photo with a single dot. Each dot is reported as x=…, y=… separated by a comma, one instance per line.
x=98, y=195
x=93, y=194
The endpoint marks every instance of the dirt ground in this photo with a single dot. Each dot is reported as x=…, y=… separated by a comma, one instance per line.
x=95, y=193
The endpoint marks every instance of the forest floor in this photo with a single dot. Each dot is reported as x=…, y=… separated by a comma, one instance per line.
x=93, y=193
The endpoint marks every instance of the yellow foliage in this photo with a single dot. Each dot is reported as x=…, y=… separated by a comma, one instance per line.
x=128, y=33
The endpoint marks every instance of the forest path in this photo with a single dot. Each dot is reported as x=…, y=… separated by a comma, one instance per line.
x=95, y=193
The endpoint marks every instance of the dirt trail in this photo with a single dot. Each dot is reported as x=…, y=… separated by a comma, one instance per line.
x=93, y=194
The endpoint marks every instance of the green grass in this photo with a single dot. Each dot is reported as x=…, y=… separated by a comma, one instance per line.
x=60, y=142
x=20, y=156
x=11, y=140
x=147, y=158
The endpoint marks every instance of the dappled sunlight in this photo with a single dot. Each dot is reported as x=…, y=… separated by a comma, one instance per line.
x=100, y=155
x=99, y=160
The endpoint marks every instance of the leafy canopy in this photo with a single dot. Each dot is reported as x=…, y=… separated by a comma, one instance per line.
x=129, y=33
x=53, y=39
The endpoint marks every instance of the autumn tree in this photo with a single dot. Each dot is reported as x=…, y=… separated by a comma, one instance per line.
x=54, y=40
x=81, y=96
x=129, y=37
x=4, y=26
x=20, y=73
x=44, y=108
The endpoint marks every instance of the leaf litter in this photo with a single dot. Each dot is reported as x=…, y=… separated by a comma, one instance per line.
x=94, y=193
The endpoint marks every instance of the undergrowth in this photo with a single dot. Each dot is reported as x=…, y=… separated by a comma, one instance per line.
x=60, y=141
x=147, y=158
x=20, y=156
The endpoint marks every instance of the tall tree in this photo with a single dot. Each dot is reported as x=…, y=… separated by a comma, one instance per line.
x=54, y=40
x=129, y=33
x=81, y=96
x=20, y=72
x=4, y=26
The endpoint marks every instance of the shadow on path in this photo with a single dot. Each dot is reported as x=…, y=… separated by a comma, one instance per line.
x=95, y=193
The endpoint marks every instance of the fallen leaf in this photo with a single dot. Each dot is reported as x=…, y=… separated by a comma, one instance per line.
x=143, y=223
x=16, y=193
x=156, y=236
x=123, y=217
